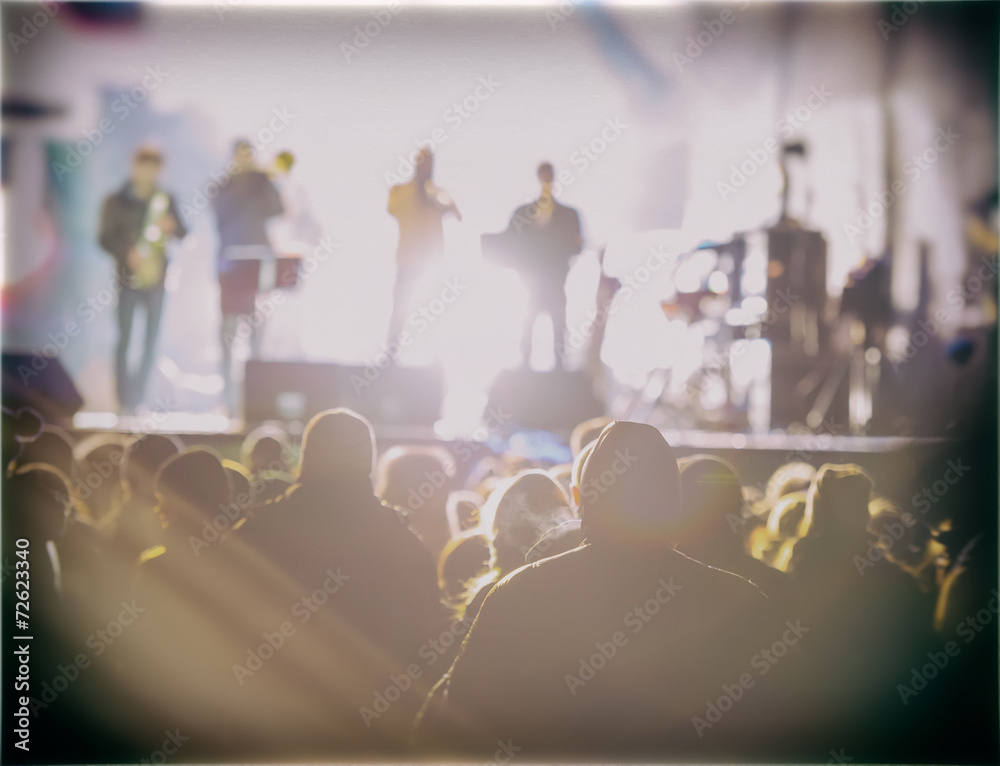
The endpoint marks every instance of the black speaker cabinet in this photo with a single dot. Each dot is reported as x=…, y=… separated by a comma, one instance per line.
x=40, y=382
x=299, y=390
x=555, y=400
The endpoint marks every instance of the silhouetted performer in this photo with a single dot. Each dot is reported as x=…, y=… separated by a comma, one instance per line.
x=137, y=221
x=242, y=208
x=544, y=235
x=419, y=206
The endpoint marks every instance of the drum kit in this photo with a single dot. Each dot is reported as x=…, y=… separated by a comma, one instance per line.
x=771, y=356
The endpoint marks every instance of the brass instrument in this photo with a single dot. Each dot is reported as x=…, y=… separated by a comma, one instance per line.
x=151, y=245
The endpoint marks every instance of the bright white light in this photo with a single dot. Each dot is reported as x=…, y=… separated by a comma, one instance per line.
x=738, y=317
x=94, y=420
x=713, y=393
x=718, y=283
x=686, y=281
x=754, y=306
x=754, y=275
x=748, y=361
x=896, y=341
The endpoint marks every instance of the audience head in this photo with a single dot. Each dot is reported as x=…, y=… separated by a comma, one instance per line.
x=191, y=488
x=838, y=500
x=631, y=488
x=39, y=501
x=520, y=512
x=902, y=536
x=337, y=446
x=266, y=448
x=587, y=432
x=787, y=520
x=464, y=559
x=54, y=447
x=101, y=474
x=242, y=484
x=713, y=498
x=786, y=524
x=791, y=477
x=143, y=457
x=755, y=512
x=402, y=470
x=18, y=428
x=419, y=480
x=462, y=510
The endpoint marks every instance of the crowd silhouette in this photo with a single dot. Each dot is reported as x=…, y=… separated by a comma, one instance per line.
x=318, y=601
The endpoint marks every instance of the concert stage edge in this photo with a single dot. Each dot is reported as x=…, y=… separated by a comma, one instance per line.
x=900, y=466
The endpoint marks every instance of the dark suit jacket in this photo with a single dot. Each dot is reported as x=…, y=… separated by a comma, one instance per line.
x=122, y=216
x=242, y=209
x=540, y=251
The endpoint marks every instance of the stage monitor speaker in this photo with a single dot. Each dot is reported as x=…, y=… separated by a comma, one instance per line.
x=555, y=401
x=299, y=390
x=288, y=390
x=42, y=383
x=401, y=396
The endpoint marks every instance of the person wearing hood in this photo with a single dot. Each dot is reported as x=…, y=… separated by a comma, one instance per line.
x=617, y=648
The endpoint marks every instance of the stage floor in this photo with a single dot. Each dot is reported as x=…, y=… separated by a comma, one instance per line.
x=212, y=424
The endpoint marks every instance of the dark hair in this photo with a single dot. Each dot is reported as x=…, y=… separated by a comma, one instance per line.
x=147, y=154
x=144, y=456
x=192, y=486
x=793, y=147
